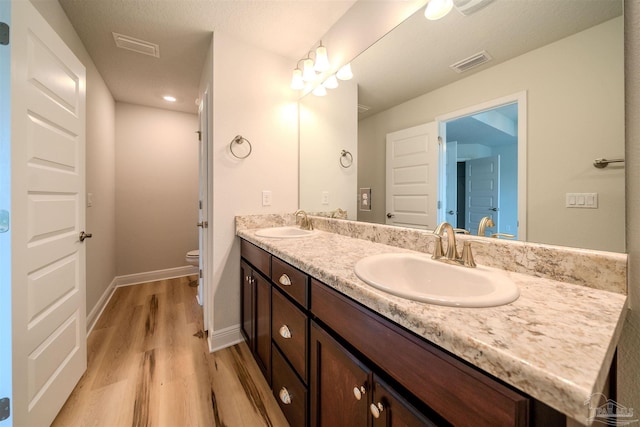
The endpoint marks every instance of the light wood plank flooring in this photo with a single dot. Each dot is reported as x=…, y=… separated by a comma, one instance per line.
x=149, y=365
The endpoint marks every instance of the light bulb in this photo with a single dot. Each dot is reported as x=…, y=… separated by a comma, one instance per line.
x=331, y=82
x=169, y=98
x=322, y=60
x=320, y=91
x=308, y=73
x=296, y=81
x=345, y=73
x=437, y=9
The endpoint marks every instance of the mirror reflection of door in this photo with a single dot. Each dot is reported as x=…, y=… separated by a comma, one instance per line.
x=481, y=169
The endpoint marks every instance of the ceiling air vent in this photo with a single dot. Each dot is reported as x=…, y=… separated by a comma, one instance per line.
x=136, y=45
x=363, y=109
x=470, y=62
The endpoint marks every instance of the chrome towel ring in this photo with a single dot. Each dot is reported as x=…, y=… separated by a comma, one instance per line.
x=238, y=141
x=346, y=159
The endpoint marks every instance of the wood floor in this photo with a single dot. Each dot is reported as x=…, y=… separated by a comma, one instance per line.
x=149, y=365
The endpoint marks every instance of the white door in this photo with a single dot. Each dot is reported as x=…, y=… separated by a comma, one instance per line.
x=48, y=215
x=411, y=176
x=5, y=229
x=483, y=195
x=203, y=184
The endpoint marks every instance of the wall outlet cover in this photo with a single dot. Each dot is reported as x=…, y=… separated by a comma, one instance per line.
x=364, y=196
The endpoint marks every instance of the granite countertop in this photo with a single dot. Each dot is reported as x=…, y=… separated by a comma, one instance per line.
x=555, y=342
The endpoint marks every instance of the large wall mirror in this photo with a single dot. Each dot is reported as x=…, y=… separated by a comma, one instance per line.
x=542, y=98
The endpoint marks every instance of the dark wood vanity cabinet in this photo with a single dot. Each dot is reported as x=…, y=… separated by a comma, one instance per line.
x=255, y=310
x=332, y=362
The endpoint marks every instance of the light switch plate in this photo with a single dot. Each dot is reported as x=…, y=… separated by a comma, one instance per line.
x=581, y=200
x=325, y=197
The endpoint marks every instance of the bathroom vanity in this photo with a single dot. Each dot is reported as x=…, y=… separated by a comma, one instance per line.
x=337, y=352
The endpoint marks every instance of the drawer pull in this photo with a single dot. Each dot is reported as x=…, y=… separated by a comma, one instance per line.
x=359, y=391
x=285, y=332
x=376, y=409
x=285, y=280
x=285, y=397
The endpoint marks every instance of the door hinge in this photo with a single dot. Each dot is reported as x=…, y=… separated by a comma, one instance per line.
x=4, y=33
x=200, y=274
x=4, y=221
x=439, y=140
x=439, y=204
x=199, y=135
x=199, y=204
x=5, y=408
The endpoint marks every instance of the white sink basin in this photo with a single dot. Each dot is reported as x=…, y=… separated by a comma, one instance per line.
x=290, y=232
x=420, y=278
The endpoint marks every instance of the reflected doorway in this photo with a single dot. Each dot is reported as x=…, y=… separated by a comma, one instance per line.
x=482, y=167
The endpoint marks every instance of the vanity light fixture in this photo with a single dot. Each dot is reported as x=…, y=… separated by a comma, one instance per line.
x=322, y=60
x=345, y=72
x=437, y=9
x=320, y=90
x=169, y=98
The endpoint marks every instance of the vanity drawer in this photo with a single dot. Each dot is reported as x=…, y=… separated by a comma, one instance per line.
x=459, y=393
x=256, y=256
x=289, y=391
x=291, y=280
x=289, y=330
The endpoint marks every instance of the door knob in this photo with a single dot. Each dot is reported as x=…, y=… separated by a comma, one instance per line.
x=452, y=212
x=84, y=235
x=390, y=215
x=493, y=209
x=203, y=224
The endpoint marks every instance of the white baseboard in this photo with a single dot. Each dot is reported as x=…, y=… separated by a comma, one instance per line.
x=224, y=338
x=134, y=279
x=152, y=276
x=97, y=310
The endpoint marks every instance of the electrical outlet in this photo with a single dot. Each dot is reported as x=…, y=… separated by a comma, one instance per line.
x=325, y=197
x=365, y=199
x=266, y=198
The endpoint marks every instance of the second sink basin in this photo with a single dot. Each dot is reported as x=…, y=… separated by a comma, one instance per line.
x=420, y=278
x=289, y=232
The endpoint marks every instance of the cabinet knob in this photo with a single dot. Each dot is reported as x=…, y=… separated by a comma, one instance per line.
x=285, y=332
x=284, y=395
x=285, y=280
x=359, y=391
x=376, y=409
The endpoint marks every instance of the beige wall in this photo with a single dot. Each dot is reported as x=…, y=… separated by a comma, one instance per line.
x=100, y=158
x=257, y=103
x=328, y=125
x=156, y=188
x=561, y=93
x=629, y=348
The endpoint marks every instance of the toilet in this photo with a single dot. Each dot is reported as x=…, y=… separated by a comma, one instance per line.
x=193, y=258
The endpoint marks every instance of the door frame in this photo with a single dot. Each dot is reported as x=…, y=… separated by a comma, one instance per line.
x=521, y=99
x=205, y=234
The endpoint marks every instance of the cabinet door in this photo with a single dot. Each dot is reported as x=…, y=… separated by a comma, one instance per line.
x=263, y=324
x=247, y=309
x=339, y=384
x=390, y=409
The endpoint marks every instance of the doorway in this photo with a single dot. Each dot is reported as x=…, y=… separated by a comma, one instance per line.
x=482, y=166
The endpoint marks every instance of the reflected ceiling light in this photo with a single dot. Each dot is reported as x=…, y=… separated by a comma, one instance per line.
x=437, y=9
x=169, y=98
x=345, y=73
x=331, y=82
x=308, y=72
x=320, y=90
x=315, y=67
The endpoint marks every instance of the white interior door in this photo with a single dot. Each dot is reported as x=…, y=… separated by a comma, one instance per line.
x=483, y=195
x=5, y=230
x=48, y=215
x=411, y=176
x=203, y=180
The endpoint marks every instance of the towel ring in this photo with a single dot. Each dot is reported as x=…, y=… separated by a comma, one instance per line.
x=346, y=159
x=239, y=139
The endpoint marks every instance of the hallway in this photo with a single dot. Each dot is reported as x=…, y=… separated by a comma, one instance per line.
x=149, y=365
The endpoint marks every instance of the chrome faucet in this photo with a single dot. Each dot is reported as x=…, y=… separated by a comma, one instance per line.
x=484, y=223
x=305, y=221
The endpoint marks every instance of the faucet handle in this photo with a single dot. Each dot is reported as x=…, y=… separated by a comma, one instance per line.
x=438, y=252
x=504, y=235
x=467, y=253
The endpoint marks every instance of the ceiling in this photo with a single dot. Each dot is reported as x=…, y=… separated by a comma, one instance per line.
x=182, y=29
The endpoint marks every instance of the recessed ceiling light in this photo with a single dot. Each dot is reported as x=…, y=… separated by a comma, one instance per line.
x=169, y=98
